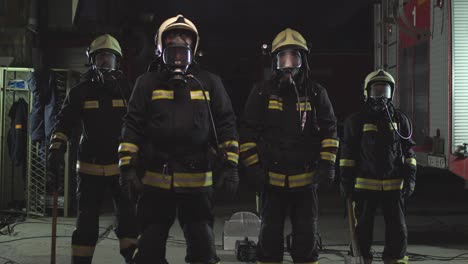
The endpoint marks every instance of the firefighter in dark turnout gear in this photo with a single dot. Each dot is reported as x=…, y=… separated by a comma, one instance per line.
x=98, y=103
x=378, y=167
x=169, y=112
x=289, y=145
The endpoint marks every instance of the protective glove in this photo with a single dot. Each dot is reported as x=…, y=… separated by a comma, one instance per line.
x=256, y=176
x=56, y=166
x=408, y=188
x=325, y=173
x=129, y=182
x=230, y=180
x=346, y=189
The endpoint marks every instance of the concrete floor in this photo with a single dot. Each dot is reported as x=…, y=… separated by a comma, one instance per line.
x=437, y=224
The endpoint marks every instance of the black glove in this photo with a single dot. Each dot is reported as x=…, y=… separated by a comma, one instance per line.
x=346, y=188
x=408, y=188
x=256, y=176
x=325, y=173
x=56, y=166
x=129, y=182
x=230, y=180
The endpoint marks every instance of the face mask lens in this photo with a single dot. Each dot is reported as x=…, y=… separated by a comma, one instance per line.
x=106, y=60
x=177, y=56
x=288, y=59
x=380, y=90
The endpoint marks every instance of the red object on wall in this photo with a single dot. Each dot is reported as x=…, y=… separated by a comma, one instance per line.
x=418, y=12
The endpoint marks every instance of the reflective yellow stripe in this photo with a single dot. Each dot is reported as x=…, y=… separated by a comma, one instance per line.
x=19, y=126
x=230, y=143
x=277, y=179
x=309, y=107
x=404, y=260
x=395, y=125
x=234, y=157
x=193, y=180
x=251, y=160
x=246, y=146
x=379, y=185
x=128, y=147
x=328, y=156
x=347, y=163
x=411, y=161
x=124, y=161
x=82, y=251
x=97, y=170
x=275, y=105
x=55, y=145
x=60, y=135
x=118, y=103
x=126, y=242
x=330, y=143
x=301, y=179
x=91, y=104
x=369, y=127
x=198, y=95
x=162, y=94
x=157, y=180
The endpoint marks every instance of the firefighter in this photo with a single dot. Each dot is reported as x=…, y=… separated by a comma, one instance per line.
x=178, y=112
x=378, y=167
x=288, y=147
x=98, y=103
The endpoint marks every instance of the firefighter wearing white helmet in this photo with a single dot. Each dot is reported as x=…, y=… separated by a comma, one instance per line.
x=288, y=148
x=92, y=103
x=174, y=113
x=378, y=167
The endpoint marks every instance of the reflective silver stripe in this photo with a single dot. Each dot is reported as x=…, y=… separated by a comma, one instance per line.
x=275, y=105
x=277, y=179
x=246, y=146
x=91, y=104
x=390, y=185
x=301, y=179
x=347, y=163
x=198, y=95
x=251, y=160
x=411, y=161
x=230, y=143
x=328, y=156
x=234, y=157
x=302, y=105
x=369, y=127
x=128, y=147
x=392, y=127
x=124, y=161
x=118, y=103
x=157, y=180
x=97, y=170
x=193, y=180
x=330, y=143
x=162, y=94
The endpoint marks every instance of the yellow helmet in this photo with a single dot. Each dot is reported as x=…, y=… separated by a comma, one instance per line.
x=289, y=38
x=177, y=22
x=106, y=42
x=378, y=76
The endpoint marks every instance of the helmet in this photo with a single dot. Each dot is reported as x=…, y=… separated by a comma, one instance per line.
x=177, y=22
x=104, y=42
x=378, y=76
x=289, y=38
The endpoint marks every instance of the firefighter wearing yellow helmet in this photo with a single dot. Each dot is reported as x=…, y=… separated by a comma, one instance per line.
x=174, y=113
x=92, y=103
x=288, y=147
x=378, y=167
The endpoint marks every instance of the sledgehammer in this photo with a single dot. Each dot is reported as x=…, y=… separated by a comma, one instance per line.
x=356, y=257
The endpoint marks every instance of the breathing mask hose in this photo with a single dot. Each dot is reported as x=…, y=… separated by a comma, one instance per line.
x=395, y=128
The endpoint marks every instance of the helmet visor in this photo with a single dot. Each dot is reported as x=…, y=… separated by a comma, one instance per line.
x=179, y=56
x=106, y=60
x=380, y=90
x=288, y=59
